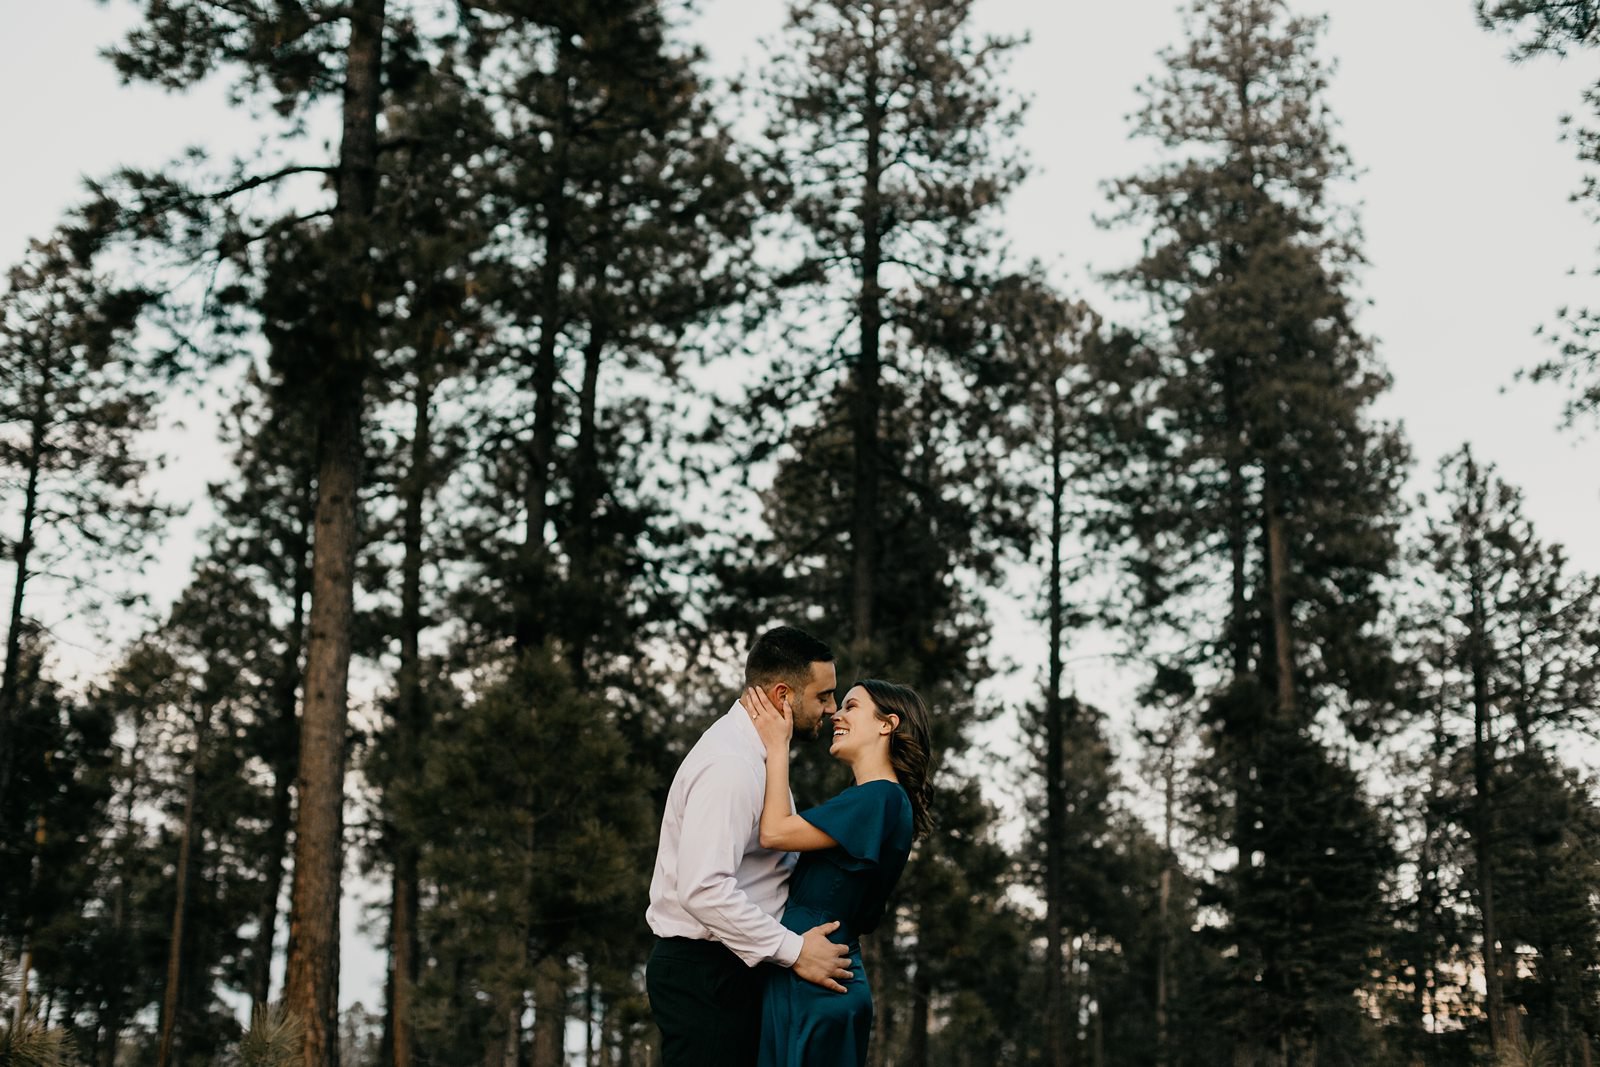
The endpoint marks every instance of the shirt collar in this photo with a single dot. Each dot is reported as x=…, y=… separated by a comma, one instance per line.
x=746, y=731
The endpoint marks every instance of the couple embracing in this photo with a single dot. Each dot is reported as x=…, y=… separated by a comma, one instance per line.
x=757, y=910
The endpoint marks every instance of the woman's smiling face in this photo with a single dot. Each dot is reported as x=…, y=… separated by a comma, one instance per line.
x=856, y=726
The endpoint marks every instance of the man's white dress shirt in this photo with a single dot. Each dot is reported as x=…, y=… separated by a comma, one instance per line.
x=713, y=880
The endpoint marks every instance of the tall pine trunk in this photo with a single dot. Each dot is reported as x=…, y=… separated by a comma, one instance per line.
x=409, y=724
x=1164, y=910
x=1482, y=844
x=1250, y=1046
x=9, y=697
x=25, y=956
x=1277, y=553
x=312, y=985
x=312, y=974
x=1055, y=769
x=583, y=611
x=1478, y=662
x=868, y=371
x=921, y=1017
x=549, y=1013
x=285, y=703
x=530, y=622
x=881, y=964
x=1243, y=724
x=186, y=844
x=111, y=1017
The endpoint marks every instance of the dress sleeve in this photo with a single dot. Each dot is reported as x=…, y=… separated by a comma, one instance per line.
x=862, y=819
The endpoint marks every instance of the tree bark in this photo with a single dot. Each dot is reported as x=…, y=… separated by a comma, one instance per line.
x=1279, y=603
x=312, y=985
x=312, y=979
x=549, y=1013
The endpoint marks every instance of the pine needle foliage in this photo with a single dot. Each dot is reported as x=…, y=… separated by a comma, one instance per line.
x=1558, y=28
x=28, y=1042
x=273, y=1039
x=34, y=1045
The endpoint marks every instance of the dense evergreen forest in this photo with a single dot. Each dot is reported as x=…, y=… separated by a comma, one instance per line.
x=552, y=378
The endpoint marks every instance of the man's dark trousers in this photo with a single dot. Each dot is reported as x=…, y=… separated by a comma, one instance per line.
x=706, y=1003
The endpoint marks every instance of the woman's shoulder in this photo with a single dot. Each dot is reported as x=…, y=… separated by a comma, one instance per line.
x=889, y=789
x=892, y=795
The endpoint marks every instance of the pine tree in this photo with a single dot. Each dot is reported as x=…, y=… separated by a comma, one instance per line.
x=54, y=813
x=434, y=203
x=1431, y=949
x=1557, y=27
x=1108, y=871
x=24, y=1039
x=73, y=402
x=1544, y=25
x=263, y=534
x=639, y=208
x=893, y=130
x=524, y=852
x=182, y=863
x=1259, y=498
x=1548, y=883
x=1507, y=659
x=1048, y=334
x=289, y=56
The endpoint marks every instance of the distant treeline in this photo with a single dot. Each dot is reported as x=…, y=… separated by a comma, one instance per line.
x=556, y=384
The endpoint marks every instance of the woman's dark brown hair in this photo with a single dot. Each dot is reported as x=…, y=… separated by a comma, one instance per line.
x=910, y=746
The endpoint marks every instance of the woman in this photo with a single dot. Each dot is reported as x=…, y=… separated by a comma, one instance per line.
x=852, y=850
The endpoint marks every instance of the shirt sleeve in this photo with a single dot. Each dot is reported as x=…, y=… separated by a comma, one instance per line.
x=720, y=813
x=861, y=819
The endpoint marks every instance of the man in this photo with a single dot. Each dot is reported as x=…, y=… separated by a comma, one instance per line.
x=716, y=893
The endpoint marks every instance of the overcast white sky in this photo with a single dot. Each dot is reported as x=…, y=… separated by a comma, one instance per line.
x=1468, y=224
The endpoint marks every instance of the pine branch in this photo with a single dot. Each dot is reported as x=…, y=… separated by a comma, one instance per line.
x=267, y=179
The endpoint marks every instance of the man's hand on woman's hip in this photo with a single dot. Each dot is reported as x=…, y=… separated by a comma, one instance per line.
x=822, y=962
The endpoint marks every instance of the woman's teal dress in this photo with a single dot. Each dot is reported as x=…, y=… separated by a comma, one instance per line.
x=804, y=1025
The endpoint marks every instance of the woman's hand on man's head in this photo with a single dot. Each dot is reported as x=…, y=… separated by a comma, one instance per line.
x=774, y=724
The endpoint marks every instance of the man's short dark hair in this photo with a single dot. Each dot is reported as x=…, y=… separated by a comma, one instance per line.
x=784, y=654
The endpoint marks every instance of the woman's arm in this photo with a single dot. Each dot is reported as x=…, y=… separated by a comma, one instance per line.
x=780, y=830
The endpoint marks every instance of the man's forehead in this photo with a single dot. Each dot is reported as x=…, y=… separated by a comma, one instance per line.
x=823, y=676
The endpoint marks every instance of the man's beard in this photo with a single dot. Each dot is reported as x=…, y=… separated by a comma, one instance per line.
x=813, y=731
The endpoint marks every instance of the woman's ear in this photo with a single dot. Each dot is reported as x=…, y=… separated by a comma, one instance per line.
x=892, y=722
